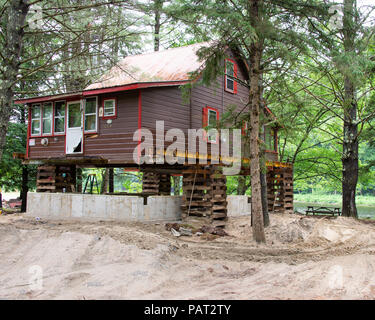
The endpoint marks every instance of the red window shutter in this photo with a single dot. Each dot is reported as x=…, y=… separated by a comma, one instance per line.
x=235, y=81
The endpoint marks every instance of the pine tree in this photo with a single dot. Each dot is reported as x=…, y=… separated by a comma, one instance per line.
x=264, y=34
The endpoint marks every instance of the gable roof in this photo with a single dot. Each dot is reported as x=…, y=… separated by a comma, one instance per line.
x=171, y=67
x=174, y=64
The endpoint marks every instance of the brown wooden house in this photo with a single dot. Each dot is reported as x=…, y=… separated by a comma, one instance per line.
x=95, y=127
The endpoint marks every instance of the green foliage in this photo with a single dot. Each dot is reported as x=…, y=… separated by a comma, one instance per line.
x=322, y=197
x=131, y=182
x=232, y=184
x=11, y=169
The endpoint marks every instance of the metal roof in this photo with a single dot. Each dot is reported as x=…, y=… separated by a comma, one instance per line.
x=168, y=65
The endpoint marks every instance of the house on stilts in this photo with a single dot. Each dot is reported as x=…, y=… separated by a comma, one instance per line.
x=100, y=127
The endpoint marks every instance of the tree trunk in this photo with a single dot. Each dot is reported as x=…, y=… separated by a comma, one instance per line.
x=263, y=166
x=158, y=5
x=263, y=184
x=241, y=187
x=111, y=181
x=350, y=143
x=16, y=15
x=25, y=188
x=256, y=193
x=104, y=184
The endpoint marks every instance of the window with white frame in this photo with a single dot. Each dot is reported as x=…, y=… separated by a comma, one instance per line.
x=91, y=111
x=35, y=120
x=60, y=117
x=212, y=123
x=47, y=118
x=229, y=71
x=109, y=106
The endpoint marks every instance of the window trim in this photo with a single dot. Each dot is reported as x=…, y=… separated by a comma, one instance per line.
x=54, y=118
x=96, y=116
x=206, y=118
x=114, y=116
x=32, y=119
x=226, y=78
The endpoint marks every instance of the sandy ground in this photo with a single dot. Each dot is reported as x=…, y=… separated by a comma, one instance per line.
x=304, y=258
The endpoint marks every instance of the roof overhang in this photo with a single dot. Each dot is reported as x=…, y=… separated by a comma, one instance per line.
x=134, y=86
x=78, y=95
x=65, y=96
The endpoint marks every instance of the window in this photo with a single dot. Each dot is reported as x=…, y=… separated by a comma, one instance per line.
x=110, y=108
x=47, y=118
x=210, y=119
x=91, y=114
x=60, y=117
x=35, y=120
x=74, y=115
x=230, y=74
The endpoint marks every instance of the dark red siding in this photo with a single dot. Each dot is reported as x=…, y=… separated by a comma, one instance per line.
x=114, y=139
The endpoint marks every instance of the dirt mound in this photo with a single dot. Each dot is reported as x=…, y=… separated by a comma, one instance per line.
x=304, y=258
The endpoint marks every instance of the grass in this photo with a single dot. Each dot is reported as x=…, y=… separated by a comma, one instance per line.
x=333, y=199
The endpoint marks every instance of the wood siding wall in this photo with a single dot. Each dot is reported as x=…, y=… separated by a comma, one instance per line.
x=114, y=141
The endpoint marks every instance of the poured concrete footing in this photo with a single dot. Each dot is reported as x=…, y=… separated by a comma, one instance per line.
x=103, y=207
x=117, y=208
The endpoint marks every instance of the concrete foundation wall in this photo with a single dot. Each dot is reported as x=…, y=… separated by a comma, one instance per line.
x=238, y=206
x=117, y=208
x=103, y=207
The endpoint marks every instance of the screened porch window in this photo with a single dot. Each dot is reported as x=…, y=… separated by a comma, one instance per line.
x=60, y=117
x=91, y=111
x=47, y=118
x=35, y=120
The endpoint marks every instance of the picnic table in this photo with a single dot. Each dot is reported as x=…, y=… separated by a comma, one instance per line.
x=323, y=211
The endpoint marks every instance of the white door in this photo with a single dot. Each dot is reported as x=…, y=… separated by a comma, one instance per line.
x=74, y=128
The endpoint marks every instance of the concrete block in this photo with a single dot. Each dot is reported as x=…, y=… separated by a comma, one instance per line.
x=238, y=206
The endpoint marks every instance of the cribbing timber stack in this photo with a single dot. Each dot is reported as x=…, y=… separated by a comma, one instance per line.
x=66, y=179
x=288, y=189
x=280, y=189
x=156, y=183
x=46, y=179
x=56, y=179
x=150, y=182
x=165, y=185
x=204, y=194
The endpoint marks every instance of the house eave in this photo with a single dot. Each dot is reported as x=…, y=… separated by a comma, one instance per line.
x=97, y=91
